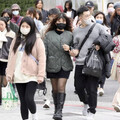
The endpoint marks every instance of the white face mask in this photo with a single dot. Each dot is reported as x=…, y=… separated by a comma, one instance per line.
x=24, y=31
x=16, y=12
x=88, y=21
x=111, y=10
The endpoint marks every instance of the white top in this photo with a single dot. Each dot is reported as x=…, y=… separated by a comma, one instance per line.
x=69, y=14
x=19, y=77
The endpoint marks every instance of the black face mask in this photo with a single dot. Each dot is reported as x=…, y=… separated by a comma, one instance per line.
x=7, y=18
x=60, y=26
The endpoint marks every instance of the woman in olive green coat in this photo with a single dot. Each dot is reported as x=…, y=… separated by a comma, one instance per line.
x=59, y=64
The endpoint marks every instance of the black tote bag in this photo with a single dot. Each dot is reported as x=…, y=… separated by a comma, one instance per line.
x=93, y=63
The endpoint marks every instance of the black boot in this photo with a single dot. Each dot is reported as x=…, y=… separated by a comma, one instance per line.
x=60, y=100
x=54, y=95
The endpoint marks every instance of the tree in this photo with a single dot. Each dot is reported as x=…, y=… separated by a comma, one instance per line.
x=24, y=4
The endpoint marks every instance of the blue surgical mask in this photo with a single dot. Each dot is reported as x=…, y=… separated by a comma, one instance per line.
x=16, y=12
x=99, y=21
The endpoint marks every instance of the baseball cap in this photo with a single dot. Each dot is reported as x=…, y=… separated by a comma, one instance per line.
x=89, y=4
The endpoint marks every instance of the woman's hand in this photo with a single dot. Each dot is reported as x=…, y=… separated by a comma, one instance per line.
x=40, y=81
x=9, y=79
x=66, y=47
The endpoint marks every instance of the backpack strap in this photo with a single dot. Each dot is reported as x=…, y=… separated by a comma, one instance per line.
x=19, y=20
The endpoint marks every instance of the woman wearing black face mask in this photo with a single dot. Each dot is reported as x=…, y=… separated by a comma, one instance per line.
x=7, y=14
x=59, y=63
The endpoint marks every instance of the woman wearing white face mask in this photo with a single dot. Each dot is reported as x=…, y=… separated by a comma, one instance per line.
x=27, y=51
x=6, y=37
x=16, y=18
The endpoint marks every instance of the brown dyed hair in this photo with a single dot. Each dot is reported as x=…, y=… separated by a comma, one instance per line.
x=59, y=16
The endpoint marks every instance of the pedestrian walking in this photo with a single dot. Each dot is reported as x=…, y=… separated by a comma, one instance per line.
x=31, y=12
x=111, y=10
x=86, y=85
x=115, y=19
x=27, y=51
x=100, y=18
x=6, y=37
x=116, y=69
x=51, y=15
x=16, y=18
x=68, y=10
x=90, y=5
x=7, y=13
x=59, y=63
x=39, y=6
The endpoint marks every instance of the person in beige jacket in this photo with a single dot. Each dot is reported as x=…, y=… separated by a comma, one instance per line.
x=26, y=66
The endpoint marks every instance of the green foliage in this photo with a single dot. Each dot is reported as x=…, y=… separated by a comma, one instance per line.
x=24, y=4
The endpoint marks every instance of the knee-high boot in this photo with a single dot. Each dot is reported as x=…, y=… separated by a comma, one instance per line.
x=60, y=104
x=54, y=95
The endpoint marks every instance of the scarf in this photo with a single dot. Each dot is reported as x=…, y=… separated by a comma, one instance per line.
x=3, y=37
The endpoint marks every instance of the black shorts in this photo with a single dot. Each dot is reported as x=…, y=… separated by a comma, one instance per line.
x=3, y=66
x=60, y=74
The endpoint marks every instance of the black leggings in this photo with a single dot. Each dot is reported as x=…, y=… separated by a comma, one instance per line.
x=26, y=93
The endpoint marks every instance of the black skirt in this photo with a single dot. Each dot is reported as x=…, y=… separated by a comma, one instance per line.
x=60, y=74
x=3, y=66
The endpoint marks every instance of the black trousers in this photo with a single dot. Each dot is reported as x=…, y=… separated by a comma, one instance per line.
x=26, y=93
x=86, y=87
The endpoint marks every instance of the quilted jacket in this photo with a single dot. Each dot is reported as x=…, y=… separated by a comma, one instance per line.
x=57, y=58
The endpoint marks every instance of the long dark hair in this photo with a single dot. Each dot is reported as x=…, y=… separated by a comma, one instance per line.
x=37, y=1
x=104, y=18
x=5, y=21
x=113, y=16
x=30, y=38
x=59, y=16
x=70, y=5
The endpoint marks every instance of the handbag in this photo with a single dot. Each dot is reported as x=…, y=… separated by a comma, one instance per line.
x=93, y=63
x=9, y=98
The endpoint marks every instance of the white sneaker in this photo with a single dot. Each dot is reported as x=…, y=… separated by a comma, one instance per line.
x=100, y=92
x=84, y=112
x=47, y=104
x=117, y=108
x=90, y=116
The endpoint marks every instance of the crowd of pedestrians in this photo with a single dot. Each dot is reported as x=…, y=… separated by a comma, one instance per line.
x=41, y=45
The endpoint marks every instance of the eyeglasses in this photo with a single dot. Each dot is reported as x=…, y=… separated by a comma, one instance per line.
x=15, y=9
